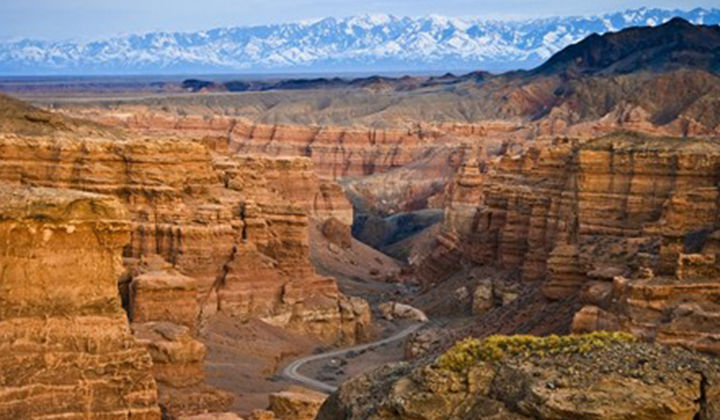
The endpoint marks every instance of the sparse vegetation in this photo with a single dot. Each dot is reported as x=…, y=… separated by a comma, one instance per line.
x=470, y=351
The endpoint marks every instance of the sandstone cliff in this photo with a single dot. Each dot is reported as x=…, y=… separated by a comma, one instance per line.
x=335, y=151
x=67, y=350
x=580, y=215
x=554, y=212
x=162, y=305
x=679, y=309
x=206, y=214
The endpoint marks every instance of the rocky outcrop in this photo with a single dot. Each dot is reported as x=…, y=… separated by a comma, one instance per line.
x=609, y=222
x=463, y=197
x=177, y=357
x=440, y=261
x=67, y=350
x=583, y=377
x=206, y=214
x=178, y=360
x=293, y=404
x=493, y=292
x=163, y=307
x=164, y=296
x=678, y=309
x=421, y=343
x=565, y=211
x=291, y=179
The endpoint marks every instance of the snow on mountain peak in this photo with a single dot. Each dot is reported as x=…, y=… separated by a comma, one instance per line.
x=367, y=42
x=370, y=20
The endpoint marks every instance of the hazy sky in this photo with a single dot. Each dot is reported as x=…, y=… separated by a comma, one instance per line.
x=87, y=19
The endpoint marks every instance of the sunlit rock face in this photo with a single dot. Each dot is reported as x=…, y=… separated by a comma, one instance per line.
x=203, y=213
x=626, y=224
x=577, y=206
x=67, y=349
x=677, y=309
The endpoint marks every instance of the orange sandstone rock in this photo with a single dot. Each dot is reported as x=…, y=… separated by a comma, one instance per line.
x=164, y=296
x=67, y=351
x=200, y=212
x=296, y=404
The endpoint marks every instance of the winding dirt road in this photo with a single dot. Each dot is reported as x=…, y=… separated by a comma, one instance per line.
x=291, y=371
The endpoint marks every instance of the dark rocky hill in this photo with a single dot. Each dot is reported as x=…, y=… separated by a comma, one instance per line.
x=673, y=45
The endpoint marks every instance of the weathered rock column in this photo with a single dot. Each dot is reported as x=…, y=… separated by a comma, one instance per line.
x=66, y=350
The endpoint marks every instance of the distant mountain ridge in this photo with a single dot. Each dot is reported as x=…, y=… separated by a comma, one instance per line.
x=674, y=45
x=364, y=43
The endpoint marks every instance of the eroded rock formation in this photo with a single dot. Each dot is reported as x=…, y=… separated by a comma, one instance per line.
x=166, y=296
x=564, y=211
x=676, y=309
x=67, y=349
x=335, y=151
x=294, y=404
x=207, y=214
x=606, y=221
x=162, y=305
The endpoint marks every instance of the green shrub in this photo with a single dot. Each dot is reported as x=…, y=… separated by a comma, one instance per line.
x=470, y=351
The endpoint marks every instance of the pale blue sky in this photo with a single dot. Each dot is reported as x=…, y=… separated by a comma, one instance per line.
x=88, y=19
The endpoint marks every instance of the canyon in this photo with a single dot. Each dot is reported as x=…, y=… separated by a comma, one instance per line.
x=206, y=235
x=167, y=256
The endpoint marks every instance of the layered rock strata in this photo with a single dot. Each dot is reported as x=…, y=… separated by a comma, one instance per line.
x=335, y=151
x=164, y=296
x=293, y=404
x=206, y=214
x=67, y=349
x=347, y=136
x=678, y=309
x=608, y=221
x=178, y=358
x=565, y=211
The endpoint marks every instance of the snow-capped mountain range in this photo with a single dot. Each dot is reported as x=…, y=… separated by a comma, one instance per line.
x=361, y=43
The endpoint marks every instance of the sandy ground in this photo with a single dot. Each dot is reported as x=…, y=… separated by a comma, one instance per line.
x=245, y=358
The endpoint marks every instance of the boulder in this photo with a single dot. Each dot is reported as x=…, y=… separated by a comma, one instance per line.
x=393, y=310
x=296, y=404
